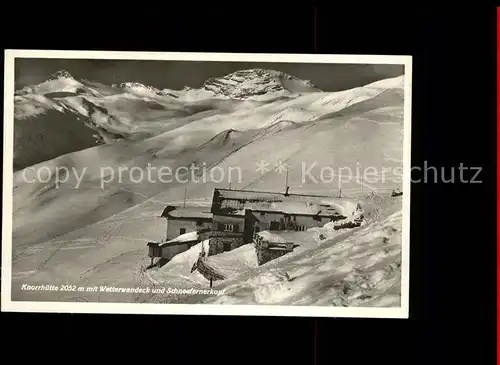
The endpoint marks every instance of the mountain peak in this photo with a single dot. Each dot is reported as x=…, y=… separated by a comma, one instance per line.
x=137, y=87
x=61, y=74
x=129, y=84
x=246, y=83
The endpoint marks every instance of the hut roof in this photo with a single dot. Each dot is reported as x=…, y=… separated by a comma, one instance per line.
x=183, y=238
x=235, y=202
x=187, y=212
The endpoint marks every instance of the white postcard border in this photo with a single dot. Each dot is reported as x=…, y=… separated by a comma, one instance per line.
x=7, y=305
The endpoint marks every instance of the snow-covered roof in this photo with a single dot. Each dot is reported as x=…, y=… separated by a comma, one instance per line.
x=187, y=212
x=235, y=202
x=186, y=237
x=291, y=207
x=270, y=237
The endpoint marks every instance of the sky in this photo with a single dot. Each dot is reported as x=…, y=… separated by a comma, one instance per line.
x=177, y=74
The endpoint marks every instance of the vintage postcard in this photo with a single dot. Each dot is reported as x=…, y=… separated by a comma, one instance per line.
x=205, y=183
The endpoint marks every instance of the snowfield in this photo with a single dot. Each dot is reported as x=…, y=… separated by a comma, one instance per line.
x=92, y=231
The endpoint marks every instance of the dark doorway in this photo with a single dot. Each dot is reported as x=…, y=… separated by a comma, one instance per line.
x=274, y=226
x=248, y=228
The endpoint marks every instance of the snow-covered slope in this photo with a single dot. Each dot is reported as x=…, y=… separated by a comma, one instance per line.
x=129, y=111
x=242, y=100
x=362, y=269
x=98, y=231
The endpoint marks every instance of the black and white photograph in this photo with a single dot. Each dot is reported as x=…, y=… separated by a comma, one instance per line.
x=205, y=183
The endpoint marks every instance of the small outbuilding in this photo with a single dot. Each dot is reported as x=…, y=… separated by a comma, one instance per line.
x=168, y=249
x=180, y=220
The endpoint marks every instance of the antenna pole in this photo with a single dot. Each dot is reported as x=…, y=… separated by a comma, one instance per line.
x=185, y=194
x=286, y=178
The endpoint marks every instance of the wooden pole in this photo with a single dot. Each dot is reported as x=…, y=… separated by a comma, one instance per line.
x=185, y=194
x=286, y=179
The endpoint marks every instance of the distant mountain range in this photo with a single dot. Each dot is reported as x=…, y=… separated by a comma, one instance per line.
x=50, y=115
